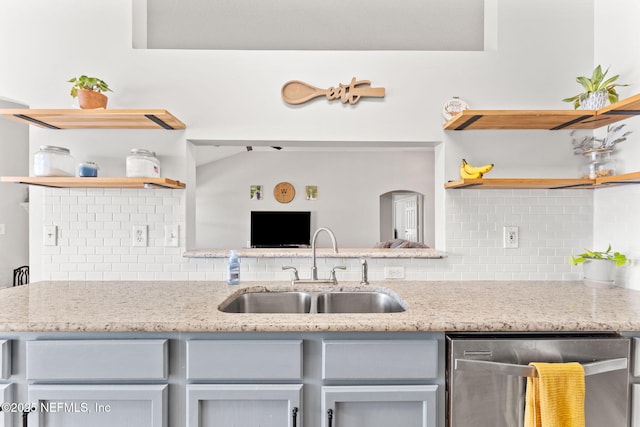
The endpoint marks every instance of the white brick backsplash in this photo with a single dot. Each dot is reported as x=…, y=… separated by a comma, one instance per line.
x=95, y=238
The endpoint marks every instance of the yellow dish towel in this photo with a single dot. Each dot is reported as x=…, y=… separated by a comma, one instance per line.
x=556, y=397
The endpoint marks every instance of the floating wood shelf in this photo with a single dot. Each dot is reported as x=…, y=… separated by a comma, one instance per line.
x=545, y=119
x=544, y=183
x=96, y=119
x=74, y=182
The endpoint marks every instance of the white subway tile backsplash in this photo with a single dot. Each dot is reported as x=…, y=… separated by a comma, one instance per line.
x=95, y=239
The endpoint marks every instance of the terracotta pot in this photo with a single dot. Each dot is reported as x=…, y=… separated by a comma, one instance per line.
x=89, y=99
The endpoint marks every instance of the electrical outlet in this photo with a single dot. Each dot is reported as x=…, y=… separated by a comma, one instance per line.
x=394, y=272
x=172, y=235
x=511, y=238
x=139, y=235
x=50, y=235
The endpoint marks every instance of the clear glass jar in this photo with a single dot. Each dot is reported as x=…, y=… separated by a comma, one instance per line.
x=597, y=164
x=143, y=164
x=453, y=107
x=88, y=170
x=53, y=161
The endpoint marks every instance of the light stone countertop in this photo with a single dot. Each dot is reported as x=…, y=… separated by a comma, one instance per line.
x=432, y=306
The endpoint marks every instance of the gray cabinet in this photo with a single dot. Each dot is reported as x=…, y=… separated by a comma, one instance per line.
x=6, y=396
x=246, y=405
x=380, y=406
x=98, y=383
x=98, y=405
x=388, y=364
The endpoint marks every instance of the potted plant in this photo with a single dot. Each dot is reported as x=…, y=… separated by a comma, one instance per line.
x=600, y=266
x=598, y=90
x=89, y=90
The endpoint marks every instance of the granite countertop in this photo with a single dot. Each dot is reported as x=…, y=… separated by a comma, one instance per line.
x=432, y=306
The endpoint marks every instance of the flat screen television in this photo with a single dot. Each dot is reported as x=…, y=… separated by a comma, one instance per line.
x=280, y=229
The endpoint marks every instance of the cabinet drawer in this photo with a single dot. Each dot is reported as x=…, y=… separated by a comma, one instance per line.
x=246, y=359
x=379, y=359
x=5, y=359
x=97, y=360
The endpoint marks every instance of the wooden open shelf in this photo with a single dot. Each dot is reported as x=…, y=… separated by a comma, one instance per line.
x=544, y=183
x=545, y=119
x=96, y=119
x=98, y=182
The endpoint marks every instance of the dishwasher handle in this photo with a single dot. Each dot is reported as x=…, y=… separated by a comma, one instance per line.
x=593, y=368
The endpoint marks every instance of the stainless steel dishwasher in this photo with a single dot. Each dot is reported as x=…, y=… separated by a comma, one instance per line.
x=486, y=376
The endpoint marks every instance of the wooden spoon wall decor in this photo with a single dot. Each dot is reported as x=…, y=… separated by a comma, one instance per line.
x=296, y=92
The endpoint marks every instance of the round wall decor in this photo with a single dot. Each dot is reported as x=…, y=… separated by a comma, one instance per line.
x=284, y=192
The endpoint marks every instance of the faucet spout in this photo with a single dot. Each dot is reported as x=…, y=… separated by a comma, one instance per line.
x=314, y=268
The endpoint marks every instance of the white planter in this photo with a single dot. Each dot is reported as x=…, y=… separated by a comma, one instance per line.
x=595, y=101
x=599, y=270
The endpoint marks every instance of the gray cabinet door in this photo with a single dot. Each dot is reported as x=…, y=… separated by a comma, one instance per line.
x=98, y=405
x=6, y=413
x=246, y=405
x=379, y=406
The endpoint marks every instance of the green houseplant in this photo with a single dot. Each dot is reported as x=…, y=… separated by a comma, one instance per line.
x=600, y=266
x=89, y=90
x=598, y=90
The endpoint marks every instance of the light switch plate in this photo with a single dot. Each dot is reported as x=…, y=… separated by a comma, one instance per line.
x=172, y=235
x=2, y=229
x=50, y=235
x=139, y=235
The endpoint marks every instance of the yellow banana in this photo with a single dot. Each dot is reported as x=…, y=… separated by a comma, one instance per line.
x=475, y=169
x=466, y=175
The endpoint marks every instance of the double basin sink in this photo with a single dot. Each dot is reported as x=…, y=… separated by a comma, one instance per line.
x=312, y=302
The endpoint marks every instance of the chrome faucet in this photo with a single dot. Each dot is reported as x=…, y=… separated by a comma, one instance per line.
x=314, y=268
x=364, y=269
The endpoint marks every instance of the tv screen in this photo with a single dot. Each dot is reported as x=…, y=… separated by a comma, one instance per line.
x=280, y=229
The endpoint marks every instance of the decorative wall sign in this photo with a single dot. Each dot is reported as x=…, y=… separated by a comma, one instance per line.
x=256, y=192
x=311, y=192
x=284, y=192
x=297, y=92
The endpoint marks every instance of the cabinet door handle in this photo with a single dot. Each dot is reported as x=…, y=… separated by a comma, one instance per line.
x=329, y=417
x=294, y=416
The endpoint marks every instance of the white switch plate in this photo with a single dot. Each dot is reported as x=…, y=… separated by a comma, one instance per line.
x=139, y=235
x=50, y=235
x=172, y=235
x=511, y=238
x=2, y=229
x=394, y=272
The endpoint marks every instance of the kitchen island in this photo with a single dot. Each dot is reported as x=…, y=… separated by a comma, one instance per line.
x=482, y=306
x=164, y=354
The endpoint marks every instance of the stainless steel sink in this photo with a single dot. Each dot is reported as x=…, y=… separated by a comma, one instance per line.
x=358, y=302
x=312, y=302
x=269, y=302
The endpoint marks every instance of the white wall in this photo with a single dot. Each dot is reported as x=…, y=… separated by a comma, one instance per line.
x=236, y=95
x=615, y=218
x=349, y=187
x=14, y=161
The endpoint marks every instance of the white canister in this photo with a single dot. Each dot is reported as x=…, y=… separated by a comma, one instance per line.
x=143, y=164
x=53, y=161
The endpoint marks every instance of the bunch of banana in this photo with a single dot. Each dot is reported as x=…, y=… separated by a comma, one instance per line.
x=468, y=171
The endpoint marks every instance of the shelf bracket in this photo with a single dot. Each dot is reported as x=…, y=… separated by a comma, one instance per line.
x=571, y=122
x=35, y=121
x=158, y=121
x=469, y=122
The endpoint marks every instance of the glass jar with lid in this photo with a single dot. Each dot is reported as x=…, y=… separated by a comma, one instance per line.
x=53, y=161
x=143, y=163
x=597, y=164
